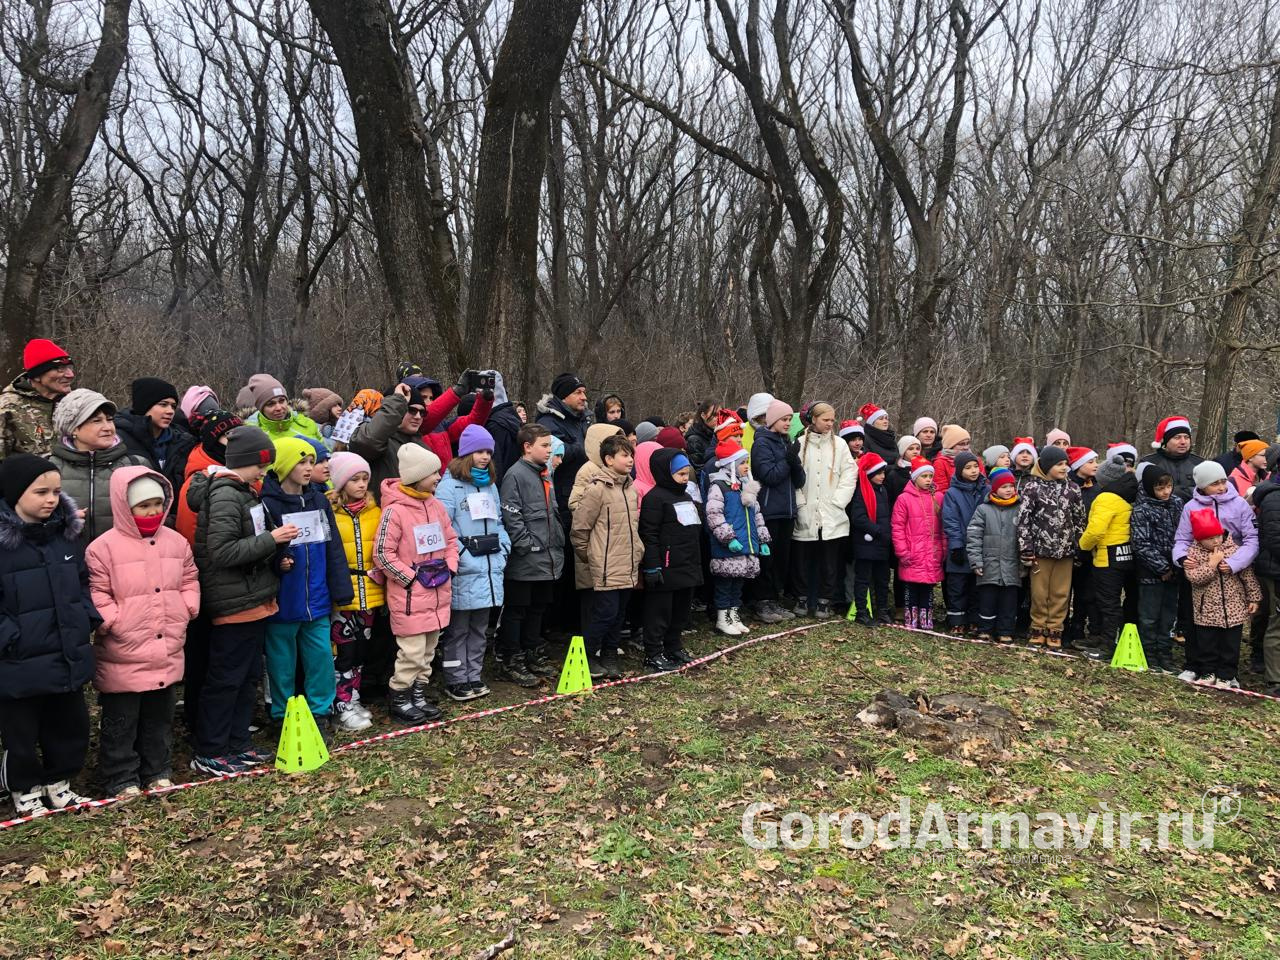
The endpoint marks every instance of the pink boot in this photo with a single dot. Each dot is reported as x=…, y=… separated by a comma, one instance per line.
x=910, y=618
x=926, y=618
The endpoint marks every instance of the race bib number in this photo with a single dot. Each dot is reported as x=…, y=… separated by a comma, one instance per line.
x=347, y=424
x=687, y=514
x=481, y=506
x=312, y=526
x=258, y=515
x=428, y=537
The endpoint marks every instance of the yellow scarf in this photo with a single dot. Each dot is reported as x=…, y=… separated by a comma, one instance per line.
x=416, y=494
x=1003, y=503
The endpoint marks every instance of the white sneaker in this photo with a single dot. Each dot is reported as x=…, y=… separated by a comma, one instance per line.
x=1209, y=679
x=131, y=792
x=30, y=802
x=1231, y=684
x=360, y=708
x=737, y=622
x=160, y=783
x=724, y=624
x=352, y=721
x=61, y=795
x=1188, y=675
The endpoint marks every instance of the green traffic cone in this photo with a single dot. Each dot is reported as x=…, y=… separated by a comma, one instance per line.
x=575, y=677
x=1129, y=655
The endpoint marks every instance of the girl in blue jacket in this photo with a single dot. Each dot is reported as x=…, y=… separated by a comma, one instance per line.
x=309, y=590
x=968, y=489
x=470, y=497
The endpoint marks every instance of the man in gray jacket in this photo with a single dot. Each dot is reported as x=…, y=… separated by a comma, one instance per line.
x=536, y=561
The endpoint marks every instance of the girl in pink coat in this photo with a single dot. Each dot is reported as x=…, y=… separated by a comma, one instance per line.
x=144, y=582
x=417, y=548
x=918, y=541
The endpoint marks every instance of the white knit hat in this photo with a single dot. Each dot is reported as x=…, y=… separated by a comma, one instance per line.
x=142, y=489
x=416, y=463
x=758, y=405
x=904, y=442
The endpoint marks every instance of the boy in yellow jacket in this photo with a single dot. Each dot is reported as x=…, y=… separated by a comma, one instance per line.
x=1107, y=536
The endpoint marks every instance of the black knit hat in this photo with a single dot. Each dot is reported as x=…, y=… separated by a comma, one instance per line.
x=564, y=384
x=249, y=447
x=216, y=426
x=148, y=391
x=1049, y=456
x=18, y=471
x=1152, y=474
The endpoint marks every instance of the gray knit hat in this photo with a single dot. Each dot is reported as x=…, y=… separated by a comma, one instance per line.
x=76, y=408
x=249, y=447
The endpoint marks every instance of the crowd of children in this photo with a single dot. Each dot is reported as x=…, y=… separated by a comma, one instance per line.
x=369, y=544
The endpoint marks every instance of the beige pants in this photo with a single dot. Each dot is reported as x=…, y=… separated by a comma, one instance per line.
x=413, y=659
x=1050, y=594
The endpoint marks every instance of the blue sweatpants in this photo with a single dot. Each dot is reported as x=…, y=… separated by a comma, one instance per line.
x=291, y=644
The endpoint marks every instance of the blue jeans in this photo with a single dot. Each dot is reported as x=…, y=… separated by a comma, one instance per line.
x=728, y=592
x=286, y=645
x=604, y=632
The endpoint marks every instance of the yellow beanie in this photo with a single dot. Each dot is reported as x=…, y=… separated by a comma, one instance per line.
x=289, y=453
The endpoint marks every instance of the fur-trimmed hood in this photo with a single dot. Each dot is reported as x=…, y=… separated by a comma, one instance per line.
x=64, y=521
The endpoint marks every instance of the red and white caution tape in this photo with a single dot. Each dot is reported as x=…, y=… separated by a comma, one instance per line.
x=406, y=731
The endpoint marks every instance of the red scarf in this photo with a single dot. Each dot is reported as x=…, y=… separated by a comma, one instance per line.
x=147, y=526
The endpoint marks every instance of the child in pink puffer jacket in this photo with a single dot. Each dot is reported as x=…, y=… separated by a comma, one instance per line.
x=918, y=542
x=144, y=582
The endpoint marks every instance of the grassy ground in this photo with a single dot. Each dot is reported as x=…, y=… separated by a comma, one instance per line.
x=609, y=826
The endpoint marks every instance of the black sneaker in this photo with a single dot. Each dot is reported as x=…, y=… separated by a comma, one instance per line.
x=514, y=671
x=595, y=667
x=697, y=605
x=681, y=656
x=459, y=691
x=863, y=620
x=824, y=610
x=660, y=664
x=479, y=689
x=537, y=663
x=253, y=757
x=611, y=669
x=218, y=766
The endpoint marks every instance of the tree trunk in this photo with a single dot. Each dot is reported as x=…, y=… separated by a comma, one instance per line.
x=1246, y=245
x=513, y=157
x=31, y=242
x=415, y=246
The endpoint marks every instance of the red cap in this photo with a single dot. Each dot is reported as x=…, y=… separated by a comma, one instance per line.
x=41, y=356
x=1205, y=524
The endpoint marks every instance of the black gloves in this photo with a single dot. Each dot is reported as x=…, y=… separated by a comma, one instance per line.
x=958, y=557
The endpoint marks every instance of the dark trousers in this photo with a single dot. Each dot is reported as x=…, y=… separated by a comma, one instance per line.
x=1191, y=653
x=45, y=739
x=774, y=583
x=351, y=632
x=135, y=741
x=568, y=607
x=1220, y=650
x=1157, y=608
x=728, y=592
x=816, y=564
x=1259, y=624
x=1022, y=626
x=959, y=596
x=919, y=595
x=665, y=613
x=524, y=603
x=379, y=655
x=604, y=631
x=1109, y=585
x=997, y=609
x=226, y=702
x=1084, y=619
x=195, y=665
x=872, y=576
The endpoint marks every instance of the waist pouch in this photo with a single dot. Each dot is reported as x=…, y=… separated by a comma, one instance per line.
x=482, y=545
x=433, y=573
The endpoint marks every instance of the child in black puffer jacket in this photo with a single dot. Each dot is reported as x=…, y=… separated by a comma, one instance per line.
x=1152, y=527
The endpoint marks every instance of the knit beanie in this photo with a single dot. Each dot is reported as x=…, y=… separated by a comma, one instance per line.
x=625, y=425
x=249, y=446
x=289, y=453
x=729, y=452
x=1208, y=472
x=76, y=408
x=41, y=356
x=1079, y=456
x=1000, y=476
x=1050, y=457
x=19, y=471
x=1273, y=457
x=729, y=427
x=419, y=394
x=214, y=427
x=1205, y=524
x=993, y=453
x=1111, y=471
x=1024, y=445
x=1251, y=448
x=142, y=489
x=344, y=465
x=919, y=467
x=474, y=439
x=963, y=459
x=758, y=406
x=320, y=400
x=1150, y=476
x=678, y=463
x=952, y=434
x=1054, y=435
x=904, y=442
x=196, y=397
x=563, y=385
x=406, y=369
x=871, y=412
x=417, y=463
x=320, y=448
x=146, y=392
x=263, y=388
x=775, y=411
x=646, y=431
x=671, y=438
x=923, y=423
x=244, y=399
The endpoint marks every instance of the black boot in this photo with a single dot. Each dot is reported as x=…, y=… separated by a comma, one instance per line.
x=513, y=670
x=425, y=706
x=401, y=707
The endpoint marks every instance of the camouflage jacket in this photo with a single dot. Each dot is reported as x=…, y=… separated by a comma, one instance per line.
x=26, y=420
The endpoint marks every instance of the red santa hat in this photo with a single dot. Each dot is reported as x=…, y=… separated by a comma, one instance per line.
x=850, y=427
x=729, y=452
x=1170, y=427
x=1023, y=445
x=1077, y=457
x=1122, y=449
x=870, y=412
x=920, y=466
x=870, y=463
